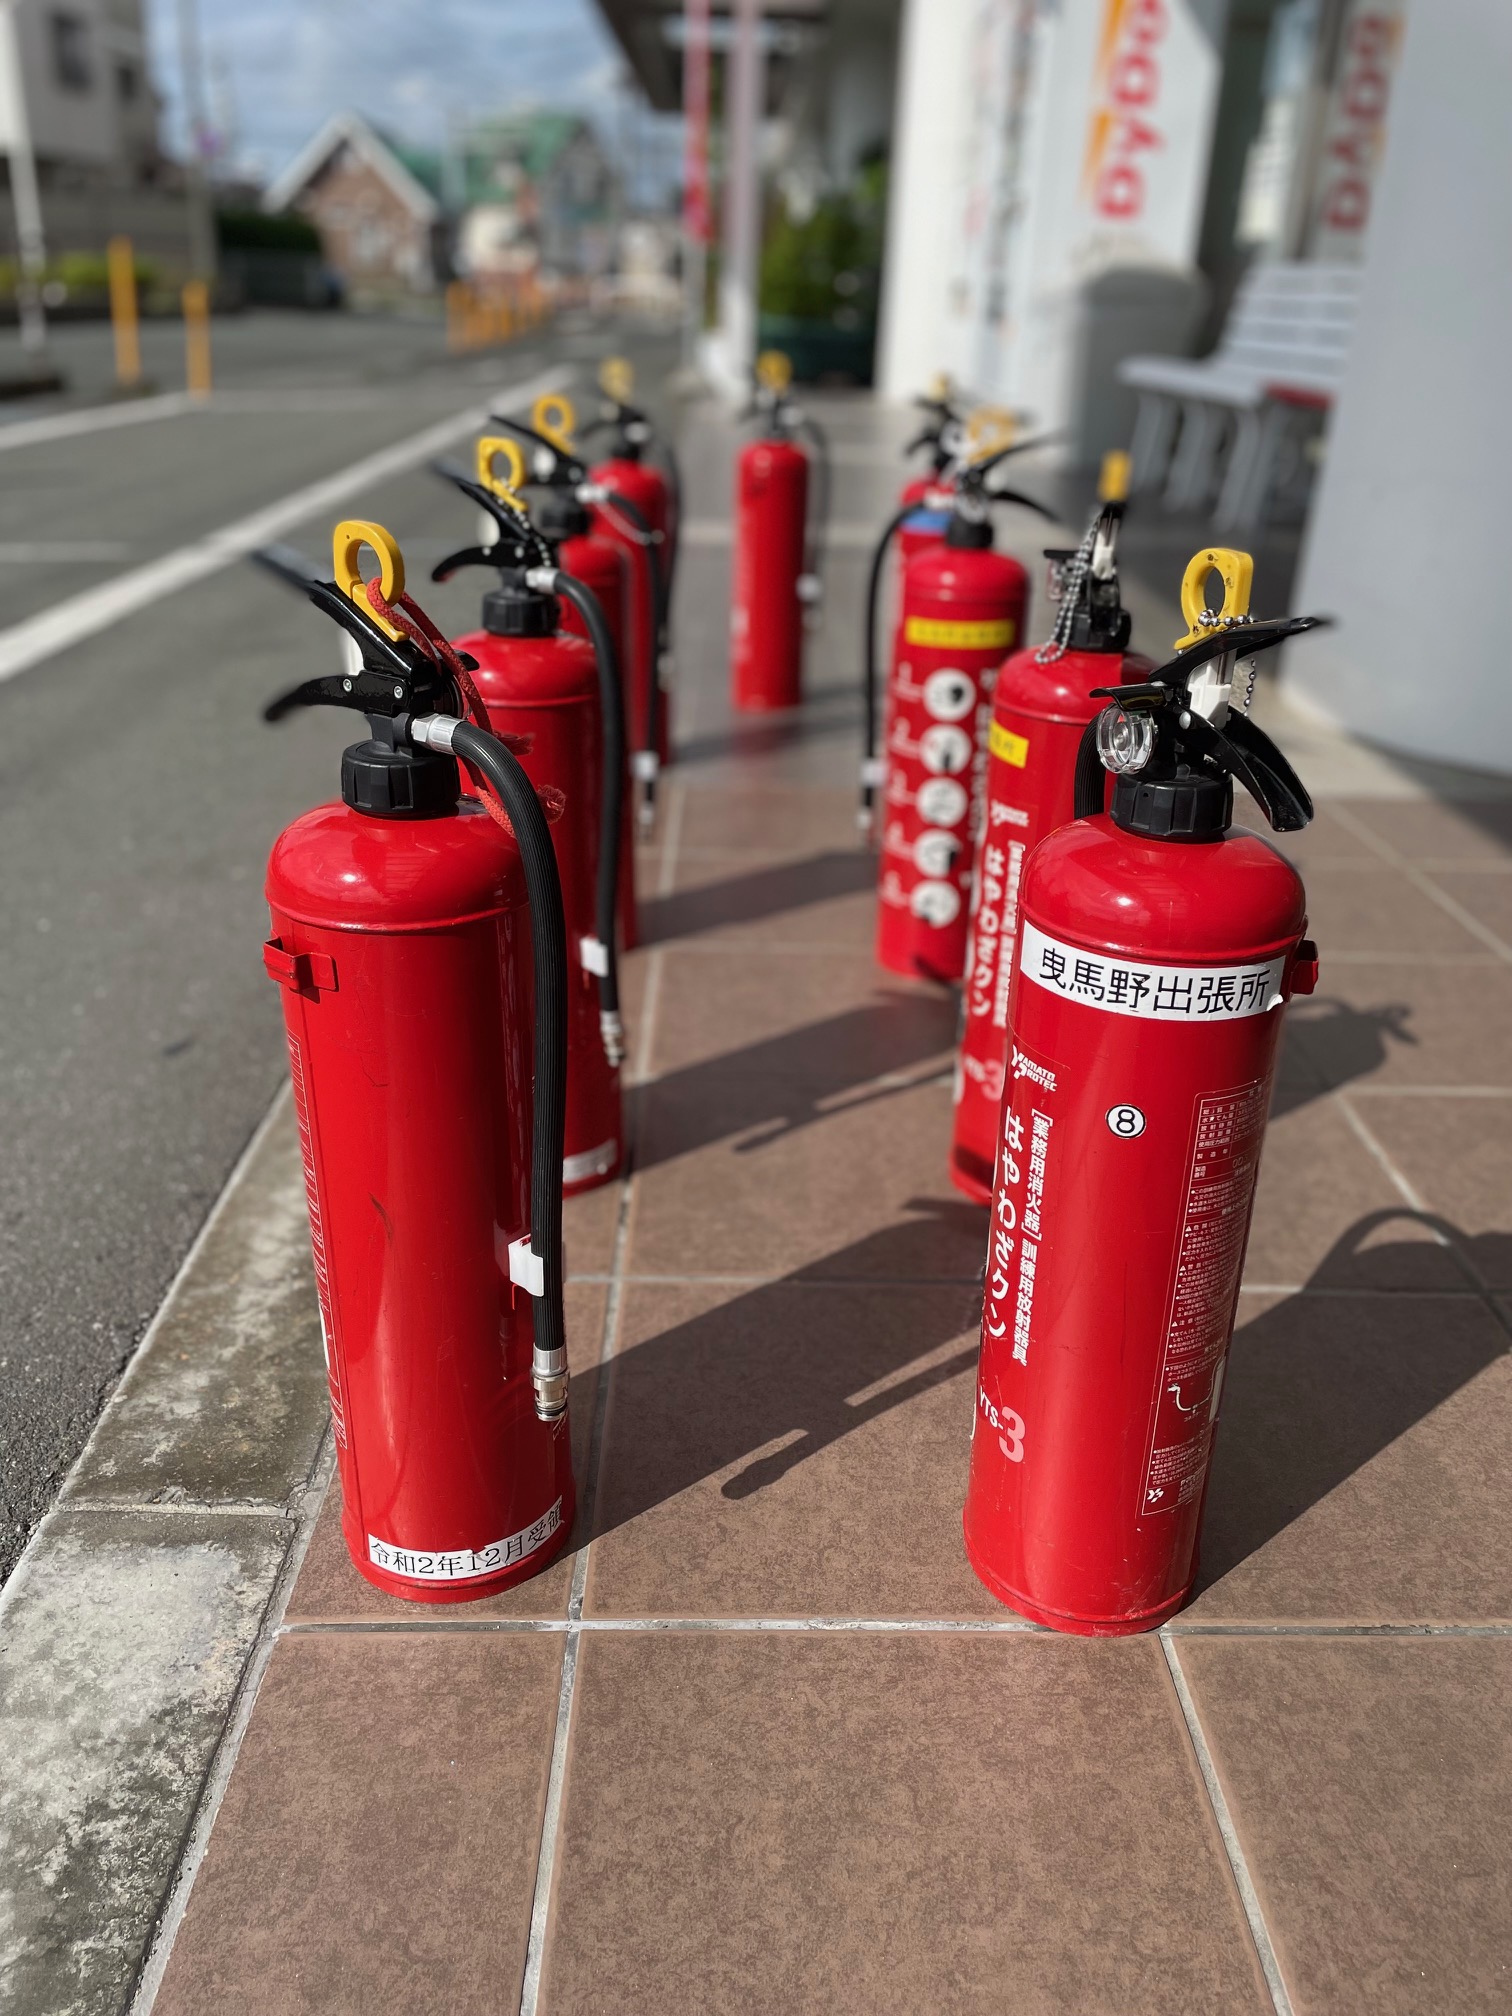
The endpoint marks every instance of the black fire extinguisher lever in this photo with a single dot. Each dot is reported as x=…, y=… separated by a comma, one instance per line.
x=562, y=471
x=1184, y=739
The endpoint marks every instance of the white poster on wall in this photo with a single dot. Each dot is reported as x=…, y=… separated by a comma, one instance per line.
x=1354, y=134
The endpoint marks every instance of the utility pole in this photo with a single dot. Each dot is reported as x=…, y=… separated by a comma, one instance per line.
x=192, y=73
x=745, y=89
x=31, y=243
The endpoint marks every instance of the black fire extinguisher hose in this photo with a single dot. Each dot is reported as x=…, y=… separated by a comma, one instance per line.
x=612, y=701
x=1089, y=791
x=645, y=533
x=675, y=490
x=869, y=660
x=548, y=933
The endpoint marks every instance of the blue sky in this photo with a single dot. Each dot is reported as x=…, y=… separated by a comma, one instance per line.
x=278, y=68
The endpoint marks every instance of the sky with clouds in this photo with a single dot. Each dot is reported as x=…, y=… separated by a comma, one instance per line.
x=277, y=69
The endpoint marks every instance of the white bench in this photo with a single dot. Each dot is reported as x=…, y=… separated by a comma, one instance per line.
x=1283, y=350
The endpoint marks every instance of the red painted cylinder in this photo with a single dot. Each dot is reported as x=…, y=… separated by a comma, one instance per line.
x=601, y=565
x=403, y=948
x=1144, y=1023
x=963, y=608
x=546, y=687
x=766, y=617
x=1040, y=707
x=646, y=489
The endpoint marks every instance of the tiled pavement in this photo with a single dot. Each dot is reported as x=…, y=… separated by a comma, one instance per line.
x=760, y=1741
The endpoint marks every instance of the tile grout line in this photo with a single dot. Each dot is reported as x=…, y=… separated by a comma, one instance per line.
x=551, y=1817
x=858, y=1625
x=1424, y=884
x=223, y=1761
x=1259, y=1931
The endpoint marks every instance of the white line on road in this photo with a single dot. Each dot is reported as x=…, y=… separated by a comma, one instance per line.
x=85, y=615
x=90, y=419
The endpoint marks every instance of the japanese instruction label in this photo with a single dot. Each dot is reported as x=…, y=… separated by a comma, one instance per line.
x=465, y=1563
x=1226, y=1144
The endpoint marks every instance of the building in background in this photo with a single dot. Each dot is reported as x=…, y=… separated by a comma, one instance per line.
x=383, y=230
x=93, y=115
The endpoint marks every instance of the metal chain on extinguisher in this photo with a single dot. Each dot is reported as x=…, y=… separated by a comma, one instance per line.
x=410, y=690
x=521, y=554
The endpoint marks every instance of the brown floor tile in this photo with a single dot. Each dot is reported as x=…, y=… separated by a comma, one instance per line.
x=761, y=815
x=859, y=1191
x=1403, y=1024
x=770, y=1823
x=1376, y=909
x=1457, y=1154
x=328, y=1588
x=1485, y=892
x=1360, y=1473
x=788, y=1450
x=1369, y=1782
x=727, y=1015
x=376, y=1848
x=826, y=900
x=1423, y=830
x=590, y=1222
x=1328, y=1215
x=1325, y=841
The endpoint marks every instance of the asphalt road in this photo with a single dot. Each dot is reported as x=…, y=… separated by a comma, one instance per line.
x=140, y=1041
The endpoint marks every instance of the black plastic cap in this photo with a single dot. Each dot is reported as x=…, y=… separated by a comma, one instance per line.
x=1193, y=806
x=398, y=783
x=521, y=612
x=559, y=515
x=973, y=533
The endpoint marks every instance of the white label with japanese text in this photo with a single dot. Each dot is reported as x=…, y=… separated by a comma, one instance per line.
x=465, y=1564
x=1153, y=993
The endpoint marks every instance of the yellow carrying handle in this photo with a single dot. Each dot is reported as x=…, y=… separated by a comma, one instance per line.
x=941, y=388
x=774, y=371
x=617, y=380
x=555, y=416
x=505, y=488
x=988, y=429
x=347, y=542
x=1117, y=473
x=1235, y=570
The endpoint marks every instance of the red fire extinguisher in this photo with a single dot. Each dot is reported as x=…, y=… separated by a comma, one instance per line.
x=1042, y=702
x=964, y=606
x=1156, y=952
x=554, y=486
x=559, y=696
x=420, y=952
x=778, y=544
x=927, y=496
x=641, y=508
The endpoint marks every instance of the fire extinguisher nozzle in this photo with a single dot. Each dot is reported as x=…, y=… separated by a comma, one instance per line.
x=550, y=1392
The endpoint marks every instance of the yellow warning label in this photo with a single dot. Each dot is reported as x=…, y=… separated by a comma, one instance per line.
x=1006, y=746
x=994, y=636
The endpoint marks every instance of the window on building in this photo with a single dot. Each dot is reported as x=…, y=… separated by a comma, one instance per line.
x=128, y=83
x=70, y=51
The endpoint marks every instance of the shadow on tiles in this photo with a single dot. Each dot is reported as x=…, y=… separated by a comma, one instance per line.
x=1320, y=1383
x=782, y=1083
x=758, y=894
x=1331, y=1043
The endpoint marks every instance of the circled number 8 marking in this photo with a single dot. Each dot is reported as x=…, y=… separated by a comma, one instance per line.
x=1127, y=1122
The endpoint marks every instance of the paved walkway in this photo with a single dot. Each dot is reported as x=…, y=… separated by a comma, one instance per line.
x=760, y=1741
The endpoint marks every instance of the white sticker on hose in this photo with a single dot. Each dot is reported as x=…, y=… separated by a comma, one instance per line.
x=1153, y=993
x=464, y=1564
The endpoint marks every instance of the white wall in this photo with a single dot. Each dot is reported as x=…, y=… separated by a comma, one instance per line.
x=1408, y=540
x=67, y=124
x=933, y=42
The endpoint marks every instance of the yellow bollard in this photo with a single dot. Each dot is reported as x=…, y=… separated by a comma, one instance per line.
x=121, y=264
x=196, y=302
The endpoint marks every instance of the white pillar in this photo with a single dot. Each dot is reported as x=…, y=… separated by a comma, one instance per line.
x=31, y=244
x=933, y=53
x=1407, y=544
x=745, y=84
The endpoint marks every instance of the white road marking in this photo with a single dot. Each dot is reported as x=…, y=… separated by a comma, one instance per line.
x=84, y=615
x=91, y=419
